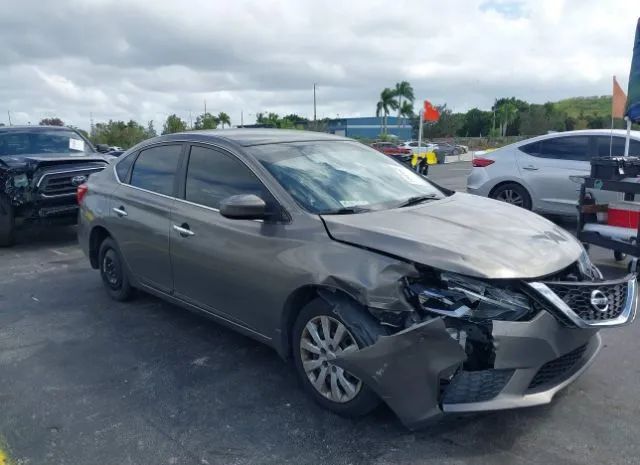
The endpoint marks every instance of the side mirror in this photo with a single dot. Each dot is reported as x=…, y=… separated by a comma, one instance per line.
x=102, y=148
x=243, y=207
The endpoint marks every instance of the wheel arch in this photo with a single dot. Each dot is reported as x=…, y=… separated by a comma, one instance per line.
x=96, y=238
x=301, y=297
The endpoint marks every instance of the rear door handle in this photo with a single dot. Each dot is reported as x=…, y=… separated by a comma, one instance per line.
x=120, y=211
x=530, y=168
x=184, y=230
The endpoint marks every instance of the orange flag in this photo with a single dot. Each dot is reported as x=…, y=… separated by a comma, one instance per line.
x=619, y=100
x=430, y=112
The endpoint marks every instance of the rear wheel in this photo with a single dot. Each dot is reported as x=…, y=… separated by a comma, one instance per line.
x=7, y=222
x=319, y=335
x=514, y=194
x=113, y=272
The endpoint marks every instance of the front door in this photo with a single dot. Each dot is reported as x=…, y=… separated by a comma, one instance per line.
x=223, y=265
x=141, y=212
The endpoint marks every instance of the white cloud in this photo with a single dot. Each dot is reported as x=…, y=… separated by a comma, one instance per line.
x=147, y=59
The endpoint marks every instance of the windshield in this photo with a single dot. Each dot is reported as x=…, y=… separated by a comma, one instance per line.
x=330, y=177
x=39, y=141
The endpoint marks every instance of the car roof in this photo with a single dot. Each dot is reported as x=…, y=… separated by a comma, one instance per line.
x=248, y=137
x=22, y=127
x=585, y=132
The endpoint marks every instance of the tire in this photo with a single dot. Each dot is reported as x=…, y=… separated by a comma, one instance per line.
x=351, y=405
x=619, y=256
x=113, y=272
x=7, y=223
x=518, y=195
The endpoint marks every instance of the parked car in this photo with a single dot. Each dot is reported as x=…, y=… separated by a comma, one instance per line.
x=535, y=173
x=412, y=145
x=40, y=168
x=379, y=284
x=445, y=149
x=389, y=148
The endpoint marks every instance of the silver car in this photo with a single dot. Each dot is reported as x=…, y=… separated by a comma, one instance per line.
x=378, y=284
x=535, y=173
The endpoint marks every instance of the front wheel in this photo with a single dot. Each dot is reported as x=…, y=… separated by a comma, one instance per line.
x=514, y=194
x=319, y=335
x=7, y=222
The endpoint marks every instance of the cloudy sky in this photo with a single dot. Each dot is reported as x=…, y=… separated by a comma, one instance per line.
x=123, y=59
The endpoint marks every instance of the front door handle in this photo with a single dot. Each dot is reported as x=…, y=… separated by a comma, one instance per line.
x=183, y=230
x=120, y=211
x=530, y=168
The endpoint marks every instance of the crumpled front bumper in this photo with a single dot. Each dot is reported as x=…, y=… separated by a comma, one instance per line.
x=417, y=371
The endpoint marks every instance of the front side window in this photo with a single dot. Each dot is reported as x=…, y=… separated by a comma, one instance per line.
x=329, y=177
x=213, y=176
x=155, y=169
x=606, y=145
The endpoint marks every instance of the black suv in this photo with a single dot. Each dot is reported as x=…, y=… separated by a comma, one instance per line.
x=40, y=169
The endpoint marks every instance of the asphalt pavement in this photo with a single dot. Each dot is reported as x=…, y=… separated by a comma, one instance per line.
x=85, y=380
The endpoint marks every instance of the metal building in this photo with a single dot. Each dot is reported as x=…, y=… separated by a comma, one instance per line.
x=370, y=127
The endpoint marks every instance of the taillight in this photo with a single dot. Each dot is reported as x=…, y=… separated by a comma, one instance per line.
x=81, y=192
x=480, y=162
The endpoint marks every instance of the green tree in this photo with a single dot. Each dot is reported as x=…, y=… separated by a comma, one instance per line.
x=476, y=123
x=206, y=121
x=119, y=133
x=403, y=90
x=174, y=124
x=51, y=122
x=224, y=119
x=151, y=130
x=387, y=103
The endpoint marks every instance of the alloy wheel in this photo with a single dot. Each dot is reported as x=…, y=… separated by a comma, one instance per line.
x=322, y=339
x=510, y=196
x=111, y=269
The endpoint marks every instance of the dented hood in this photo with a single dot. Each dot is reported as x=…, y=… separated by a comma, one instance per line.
x=33, y=161
x=463, y=233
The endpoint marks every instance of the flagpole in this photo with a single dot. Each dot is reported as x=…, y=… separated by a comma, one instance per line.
x=420, y=140
x=626, y=142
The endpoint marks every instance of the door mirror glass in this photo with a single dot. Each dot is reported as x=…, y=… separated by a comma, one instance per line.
x=243, y=207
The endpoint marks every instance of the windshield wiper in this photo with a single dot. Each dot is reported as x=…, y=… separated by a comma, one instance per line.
x=417, y=199
x=345, y=211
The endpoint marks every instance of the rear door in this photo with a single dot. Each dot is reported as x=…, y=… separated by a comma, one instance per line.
x=546, y=166
x=141, y=214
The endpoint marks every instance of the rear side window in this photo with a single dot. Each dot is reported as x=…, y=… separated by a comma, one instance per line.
x=213, y=176
x=155, y=169
x=604, y=143
x=123, y=167
x=560, y=148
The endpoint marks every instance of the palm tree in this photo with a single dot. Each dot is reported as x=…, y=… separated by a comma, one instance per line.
x=507, y=113
x=403, y=90
x=406, y=109
x=224, y=119
x=387, y=103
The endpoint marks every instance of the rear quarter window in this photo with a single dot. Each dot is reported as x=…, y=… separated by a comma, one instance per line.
x=123, y=167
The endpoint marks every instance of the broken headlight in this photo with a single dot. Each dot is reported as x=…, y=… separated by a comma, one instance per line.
x=20, y=180
x=463, y=297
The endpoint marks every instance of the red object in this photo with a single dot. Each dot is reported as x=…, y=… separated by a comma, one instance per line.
x=430, y=113
x=480, y=162
x=81, y=192
x=624, y=214
x=390, y=149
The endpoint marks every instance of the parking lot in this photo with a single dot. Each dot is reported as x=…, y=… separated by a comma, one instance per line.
x=86, y=380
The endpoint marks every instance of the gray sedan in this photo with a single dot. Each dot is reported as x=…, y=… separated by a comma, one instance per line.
x=378, y=284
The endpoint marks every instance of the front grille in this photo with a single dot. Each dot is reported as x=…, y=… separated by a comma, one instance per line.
x=476, y=386
x=578, y=298
x=556, y=369
x=58, y=183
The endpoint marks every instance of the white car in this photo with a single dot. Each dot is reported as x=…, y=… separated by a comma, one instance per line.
x=413, y=145
x=535, y=173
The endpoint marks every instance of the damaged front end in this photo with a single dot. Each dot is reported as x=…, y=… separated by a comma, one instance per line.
x=474, y=345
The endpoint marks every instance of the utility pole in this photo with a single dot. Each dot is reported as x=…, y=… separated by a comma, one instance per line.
x=314, y=102
x=205, y=106
x=9, y=113
x=241, y=118
x=190, y=120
